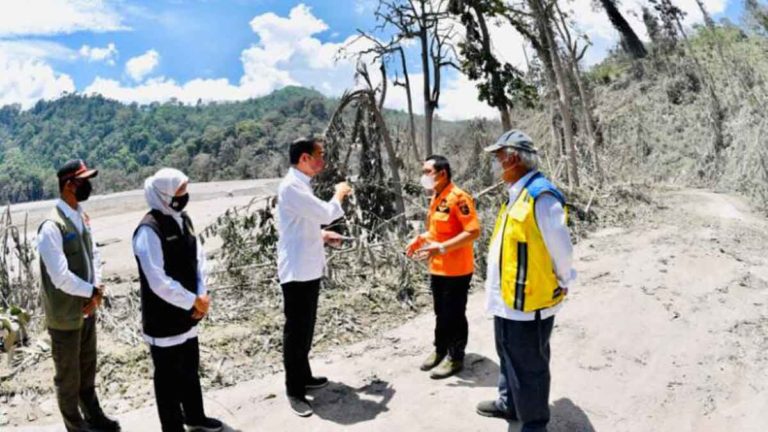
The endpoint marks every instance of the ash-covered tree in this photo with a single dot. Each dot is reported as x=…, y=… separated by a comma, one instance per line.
x=427, y=23
x=629, y=40
x=499, y=84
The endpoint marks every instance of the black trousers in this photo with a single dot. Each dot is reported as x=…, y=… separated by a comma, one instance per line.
x=450, y=301
x=177, y=385
x=74, y=360
x=523, y=348
x=300, y=308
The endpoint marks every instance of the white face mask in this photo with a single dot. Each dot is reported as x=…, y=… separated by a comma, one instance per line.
x=427, y=182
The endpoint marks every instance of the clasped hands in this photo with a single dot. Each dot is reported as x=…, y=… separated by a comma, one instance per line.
x=422, y=249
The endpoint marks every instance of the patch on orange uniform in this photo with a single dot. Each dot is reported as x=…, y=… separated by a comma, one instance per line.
x=464, y=208
x=443, y=206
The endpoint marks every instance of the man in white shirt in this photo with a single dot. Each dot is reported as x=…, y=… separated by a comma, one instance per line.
x=174, y=299
x=301, y=262
x=529, y=269
x=70, y=272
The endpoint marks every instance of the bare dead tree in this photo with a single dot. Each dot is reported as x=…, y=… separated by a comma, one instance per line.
x=708, y=21
x=425, y=21
x=383, y=53
x=542, y=13
x=406, y=84
x=575, y=53
x=367, y=97
x=629, y=39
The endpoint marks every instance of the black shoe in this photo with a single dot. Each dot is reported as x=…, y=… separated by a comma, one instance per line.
x=489, y=408
x=316, y=383
x=300, y=406
x=207, y=425
x=103, y=424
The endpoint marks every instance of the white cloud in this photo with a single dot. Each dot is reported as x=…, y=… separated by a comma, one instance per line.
x=287, y=53
x=96, y=54
x=49, y=17
x=458, y=98
x=25, y=75
x=27, y=81
x=141, y=66
x=28, y=49
x=300, y=24
x=163, y=89
x=508, y=45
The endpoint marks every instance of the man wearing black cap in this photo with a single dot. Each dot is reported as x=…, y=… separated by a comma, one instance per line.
x=70, y=272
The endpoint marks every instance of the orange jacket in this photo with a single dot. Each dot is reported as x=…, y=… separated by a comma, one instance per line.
x=451, y=213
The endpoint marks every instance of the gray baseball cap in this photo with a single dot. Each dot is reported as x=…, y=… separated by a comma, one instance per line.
x=513, y=139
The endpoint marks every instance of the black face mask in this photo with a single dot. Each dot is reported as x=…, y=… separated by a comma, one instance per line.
x=179, y=202
x=83, y=191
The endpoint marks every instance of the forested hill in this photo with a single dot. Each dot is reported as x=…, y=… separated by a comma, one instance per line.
x=127, y=142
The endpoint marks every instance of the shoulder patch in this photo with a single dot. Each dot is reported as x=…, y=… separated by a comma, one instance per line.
x=464, y=207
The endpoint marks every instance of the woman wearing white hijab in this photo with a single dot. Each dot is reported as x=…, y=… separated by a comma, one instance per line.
x=174, y=299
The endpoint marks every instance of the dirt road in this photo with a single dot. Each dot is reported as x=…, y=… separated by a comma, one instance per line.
x=666, y=329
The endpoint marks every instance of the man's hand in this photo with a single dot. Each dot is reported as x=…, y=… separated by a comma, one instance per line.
x=413, y=245
x=430, y=250
x=342, y=191
x=201, y=306
x=332, y=238
x=95, y=301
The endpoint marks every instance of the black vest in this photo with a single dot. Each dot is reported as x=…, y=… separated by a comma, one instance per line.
x=160, y=318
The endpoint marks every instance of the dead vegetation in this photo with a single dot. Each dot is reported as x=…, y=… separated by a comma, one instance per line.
x=371, y=286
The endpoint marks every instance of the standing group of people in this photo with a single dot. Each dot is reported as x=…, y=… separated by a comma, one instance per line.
x=529, y=271
x=174, y=298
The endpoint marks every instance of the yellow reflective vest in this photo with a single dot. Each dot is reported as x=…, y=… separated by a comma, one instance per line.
x=528, y=281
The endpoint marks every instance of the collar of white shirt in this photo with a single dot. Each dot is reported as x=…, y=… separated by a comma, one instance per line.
x=516, y=187
x=301, y=176
x=74, y=215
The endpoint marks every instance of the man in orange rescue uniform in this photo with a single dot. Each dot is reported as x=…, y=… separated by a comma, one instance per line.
x=452, y=228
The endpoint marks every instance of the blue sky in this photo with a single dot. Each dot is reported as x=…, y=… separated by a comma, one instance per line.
x=144, y=51
x=199, y=39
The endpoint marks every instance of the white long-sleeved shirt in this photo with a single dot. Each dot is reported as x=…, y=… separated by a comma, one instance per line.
x=149, y=251
x=300, y=250
x=550, y=218
x=50, y=246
